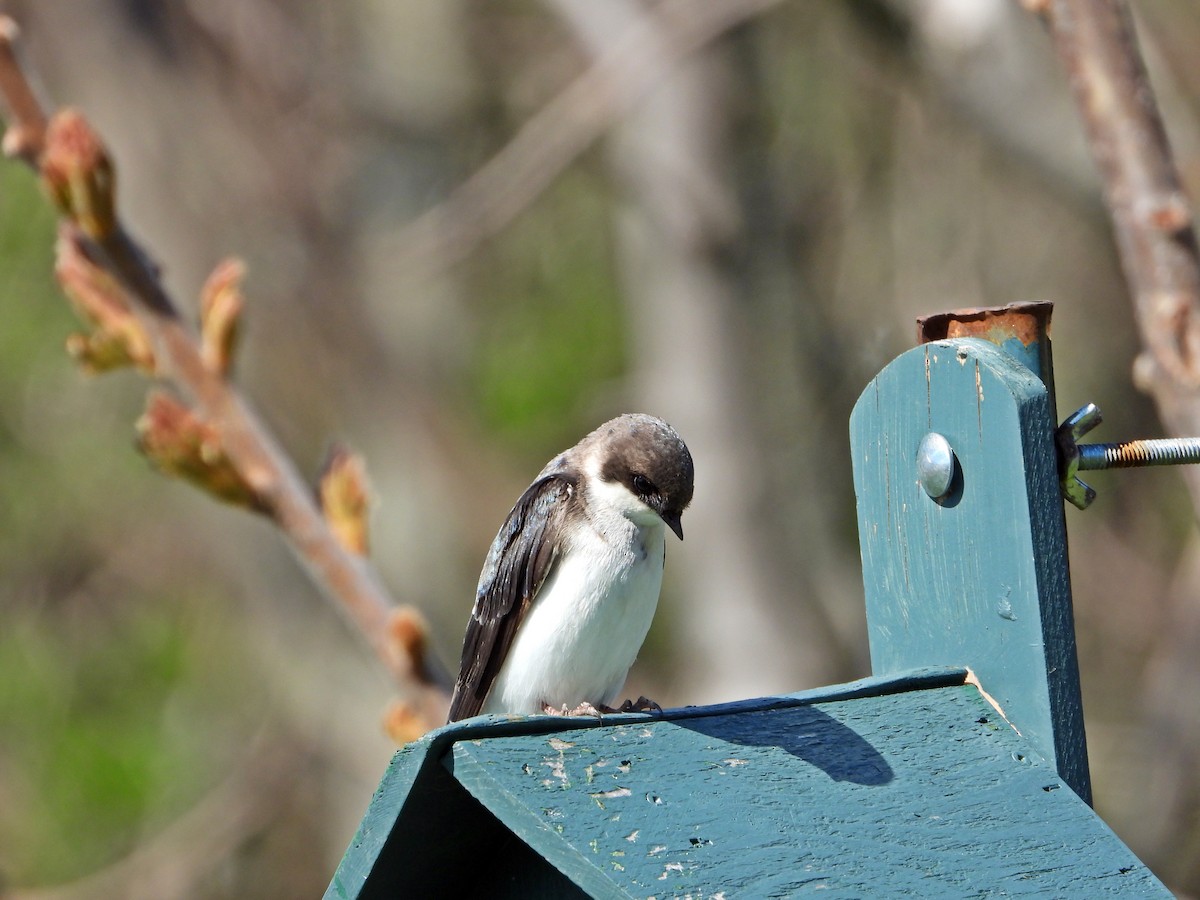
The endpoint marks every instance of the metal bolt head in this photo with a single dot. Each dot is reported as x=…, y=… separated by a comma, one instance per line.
x=935, y=465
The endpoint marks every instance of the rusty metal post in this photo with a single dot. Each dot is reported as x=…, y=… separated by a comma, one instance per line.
x=1020, y=329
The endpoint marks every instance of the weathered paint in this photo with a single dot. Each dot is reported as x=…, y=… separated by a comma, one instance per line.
x=911, y=785
x=978, y=578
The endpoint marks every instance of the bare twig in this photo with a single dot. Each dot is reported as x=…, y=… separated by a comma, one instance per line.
x=76, y=170
x=1157, y=242
x=565, y=127
x=1151, y=218
x=27, y=132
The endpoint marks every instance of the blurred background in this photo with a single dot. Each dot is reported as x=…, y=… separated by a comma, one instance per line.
x=474, y=231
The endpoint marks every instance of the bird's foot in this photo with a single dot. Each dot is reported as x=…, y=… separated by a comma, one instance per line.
x=583, y=709
x=641, y=704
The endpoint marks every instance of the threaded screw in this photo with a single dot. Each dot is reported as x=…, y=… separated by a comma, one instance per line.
x=1074, y=457
x=1133, y=454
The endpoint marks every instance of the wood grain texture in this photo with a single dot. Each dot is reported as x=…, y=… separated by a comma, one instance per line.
x=424, y=835
x=979, y=579
x=920, y=793
x=902, y=785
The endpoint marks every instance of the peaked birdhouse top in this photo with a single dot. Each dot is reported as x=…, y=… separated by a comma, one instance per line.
x=960, y=768
x=909, y=784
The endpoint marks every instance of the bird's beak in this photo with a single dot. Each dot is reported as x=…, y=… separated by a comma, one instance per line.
x=675, y=521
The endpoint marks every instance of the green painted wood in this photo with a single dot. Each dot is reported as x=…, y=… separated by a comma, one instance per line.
x=918, y=792
x=979, y=578
x=424, y=835
x=909, y=784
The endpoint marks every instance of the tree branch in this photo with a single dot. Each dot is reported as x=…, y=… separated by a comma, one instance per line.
x=104, y=260
x=1151, y=218
x=26, y=133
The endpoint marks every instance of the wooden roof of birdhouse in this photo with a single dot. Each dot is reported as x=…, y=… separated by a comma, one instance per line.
x=907, y=784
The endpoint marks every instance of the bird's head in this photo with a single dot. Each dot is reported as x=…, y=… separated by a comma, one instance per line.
x=643, y=468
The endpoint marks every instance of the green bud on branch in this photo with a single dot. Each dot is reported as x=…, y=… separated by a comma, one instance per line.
x=178, y=443
x=344, y=495
x=79, y=175
x=221, y=303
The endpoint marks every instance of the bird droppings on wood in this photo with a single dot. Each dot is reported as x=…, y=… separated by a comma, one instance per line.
x=669, y=868
x=614, y=794
x=558, y=770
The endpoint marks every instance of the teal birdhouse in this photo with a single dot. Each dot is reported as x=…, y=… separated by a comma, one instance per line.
x=958, y=769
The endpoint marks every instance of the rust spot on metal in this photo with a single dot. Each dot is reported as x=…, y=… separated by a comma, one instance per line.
x=1129, y=453
x=1139, y=453
x=1027, y=322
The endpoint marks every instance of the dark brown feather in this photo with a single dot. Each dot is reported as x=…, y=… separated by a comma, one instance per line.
x=517, y=565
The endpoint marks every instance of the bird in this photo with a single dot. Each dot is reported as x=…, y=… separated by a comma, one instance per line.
x=572, y=579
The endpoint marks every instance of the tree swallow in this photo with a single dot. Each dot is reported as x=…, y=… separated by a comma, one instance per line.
x=571, y=582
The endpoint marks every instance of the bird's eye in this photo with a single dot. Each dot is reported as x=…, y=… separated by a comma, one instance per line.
x=644, y=486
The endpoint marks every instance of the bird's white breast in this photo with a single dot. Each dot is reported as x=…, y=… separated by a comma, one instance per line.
x=587, y=623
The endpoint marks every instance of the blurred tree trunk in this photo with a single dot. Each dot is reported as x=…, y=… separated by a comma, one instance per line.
x=747, y=625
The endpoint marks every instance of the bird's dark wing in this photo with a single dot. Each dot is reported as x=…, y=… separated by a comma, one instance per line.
x=517, y=564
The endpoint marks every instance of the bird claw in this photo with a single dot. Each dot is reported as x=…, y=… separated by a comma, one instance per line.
x=583, y=709
x=641, y=704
